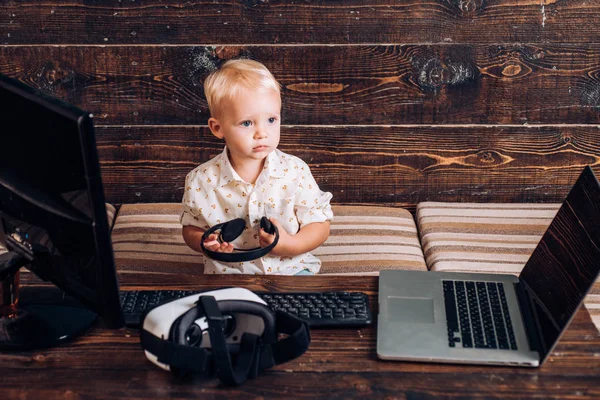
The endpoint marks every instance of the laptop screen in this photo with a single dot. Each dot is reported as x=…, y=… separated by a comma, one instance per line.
x=566, y=262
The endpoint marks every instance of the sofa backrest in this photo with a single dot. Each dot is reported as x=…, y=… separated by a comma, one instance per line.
x=390, y=104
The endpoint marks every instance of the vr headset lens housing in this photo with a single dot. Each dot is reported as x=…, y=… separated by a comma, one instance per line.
x=230, y=333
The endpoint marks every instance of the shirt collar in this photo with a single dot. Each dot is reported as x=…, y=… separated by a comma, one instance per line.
x=273, y=164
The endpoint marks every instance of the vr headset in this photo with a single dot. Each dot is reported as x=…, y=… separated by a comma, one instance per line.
x=229, y=231
x=228, y=333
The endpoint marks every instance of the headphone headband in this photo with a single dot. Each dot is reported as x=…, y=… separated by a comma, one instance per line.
x=230, y=230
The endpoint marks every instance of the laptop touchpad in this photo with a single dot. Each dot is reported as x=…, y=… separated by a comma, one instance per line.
x=411, y=309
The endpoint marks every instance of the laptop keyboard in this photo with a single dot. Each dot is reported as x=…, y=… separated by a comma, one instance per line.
x=477, y=315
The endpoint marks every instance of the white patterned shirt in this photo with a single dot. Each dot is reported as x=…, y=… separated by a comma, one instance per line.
x=285, y=190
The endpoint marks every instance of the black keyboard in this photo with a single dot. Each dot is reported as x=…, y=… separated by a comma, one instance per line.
x=477, y=315
x=319, y=309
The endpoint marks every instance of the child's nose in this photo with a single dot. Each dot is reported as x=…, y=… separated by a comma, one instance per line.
x=261, y=132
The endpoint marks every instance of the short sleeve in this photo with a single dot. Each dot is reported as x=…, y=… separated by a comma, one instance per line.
x=312, y=204
x=192, y=209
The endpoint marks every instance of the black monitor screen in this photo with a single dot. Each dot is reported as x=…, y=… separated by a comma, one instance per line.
x=52, y=208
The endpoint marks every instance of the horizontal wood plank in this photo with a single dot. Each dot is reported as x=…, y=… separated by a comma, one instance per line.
x=453, y=84
x=303, y=22
x=148, y=382
x=376, y=164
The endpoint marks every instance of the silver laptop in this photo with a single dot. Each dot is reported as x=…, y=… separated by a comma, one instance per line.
x=475, y=318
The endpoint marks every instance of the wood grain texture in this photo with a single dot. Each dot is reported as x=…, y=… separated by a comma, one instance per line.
x=339, y=363
x=153, y=384
x=389, y=102
x=372, y=164
x=301, y=22
x=331, y=85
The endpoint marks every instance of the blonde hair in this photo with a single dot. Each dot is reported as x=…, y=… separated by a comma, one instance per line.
x=235, y=76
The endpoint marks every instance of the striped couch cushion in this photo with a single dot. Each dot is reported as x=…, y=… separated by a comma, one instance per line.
x=474, y=237
x=592, y=303
x=111, y=212
x=363, y=240
x=491, y=238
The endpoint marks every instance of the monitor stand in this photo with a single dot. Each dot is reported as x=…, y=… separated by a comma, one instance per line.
x=42, y=318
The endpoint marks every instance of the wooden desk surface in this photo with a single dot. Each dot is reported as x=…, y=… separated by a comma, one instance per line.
x=339, y=363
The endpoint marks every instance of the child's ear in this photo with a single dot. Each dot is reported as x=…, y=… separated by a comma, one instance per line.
x=215, y=127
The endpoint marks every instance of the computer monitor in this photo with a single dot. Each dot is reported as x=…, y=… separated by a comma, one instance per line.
x=52, y=220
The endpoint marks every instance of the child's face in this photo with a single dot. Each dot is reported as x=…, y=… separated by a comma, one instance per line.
x=250, y=125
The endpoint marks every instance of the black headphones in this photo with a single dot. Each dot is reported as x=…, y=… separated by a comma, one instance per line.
x=229, y=231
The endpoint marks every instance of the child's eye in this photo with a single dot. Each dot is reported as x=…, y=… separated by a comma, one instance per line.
x=246, y=123
x=272, y=120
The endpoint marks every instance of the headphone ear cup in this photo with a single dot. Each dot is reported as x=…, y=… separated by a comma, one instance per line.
x=267, y=225
x=232, y=229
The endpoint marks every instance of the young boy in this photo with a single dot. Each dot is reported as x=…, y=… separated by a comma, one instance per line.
x=251, y=179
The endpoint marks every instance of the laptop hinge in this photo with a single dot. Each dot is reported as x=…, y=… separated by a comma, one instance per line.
x=528, y=314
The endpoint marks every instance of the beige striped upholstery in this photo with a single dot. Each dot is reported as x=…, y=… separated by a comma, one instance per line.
x=487, y=237
x=592, y=303
x=147, y=238
x=111, y=212
x=365, y=240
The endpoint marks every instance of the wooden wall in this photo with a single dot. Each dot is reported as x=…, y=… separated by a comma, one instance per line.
x=389, y=102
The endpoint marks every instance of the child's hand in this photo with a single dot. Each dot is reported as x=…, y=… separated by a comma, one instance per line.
x=285, y=239
x=211, y=243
